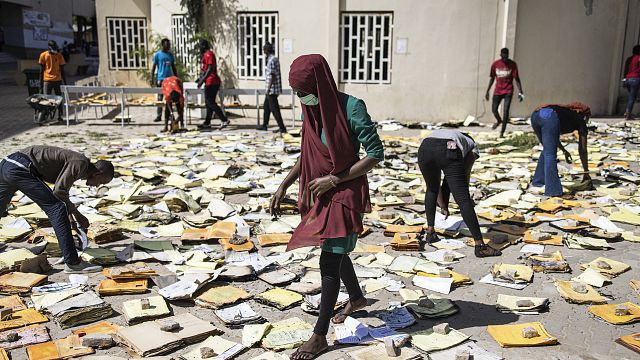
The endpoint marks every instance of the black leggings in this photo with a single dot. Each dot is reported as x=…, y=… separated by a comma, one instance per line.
x=433, y=158
x=333, y=268
x=506, y=106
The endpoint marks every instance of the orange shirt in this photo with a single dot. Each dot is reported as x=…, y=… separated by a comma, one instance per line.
x=52, y=63
x=169, y=85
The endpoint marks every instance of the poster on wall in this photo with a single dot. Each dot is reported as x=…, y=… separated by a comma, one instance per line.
x=40, y=33
x=35, y=18
x=38, y=28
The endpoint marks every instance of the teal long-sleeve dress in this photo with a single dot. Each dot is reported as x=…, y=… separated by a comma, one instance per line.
x=363, y=133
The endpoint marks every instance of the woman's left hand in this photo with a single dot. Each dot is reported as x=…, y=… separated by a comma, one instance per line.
x=323, y=184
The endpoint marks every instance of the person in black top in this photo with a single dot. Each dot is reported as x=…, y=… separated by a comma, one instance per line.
x=549, y=122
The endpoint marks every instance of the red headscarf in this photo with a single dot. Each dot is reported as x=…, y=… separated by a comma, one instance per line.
x=337, y=213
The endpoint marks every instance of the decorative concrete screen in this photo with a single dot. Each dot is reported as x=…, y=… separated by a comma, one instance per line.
x=366, y=47
x=254, y=29
x=127, y=43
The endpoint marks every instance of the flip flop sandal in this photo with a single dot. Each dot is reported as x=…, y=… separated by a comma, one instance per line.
x=486, y=251
x=302, y=354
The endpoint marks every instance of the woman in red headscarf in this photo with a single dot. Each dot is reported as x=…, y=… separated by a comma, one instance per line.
x=334, y=192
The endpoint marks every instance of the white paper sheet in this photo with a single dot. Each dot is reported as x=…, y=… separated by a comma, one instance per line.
x=440, y=285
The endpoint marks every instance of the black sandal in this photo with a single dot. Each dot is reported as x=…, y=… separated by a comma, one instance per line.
x=485, y=250
x=304, y=355
x=431, y=238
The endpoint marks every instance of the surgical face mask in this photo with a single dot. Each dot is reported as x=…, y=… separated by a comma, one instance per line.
x=309, y=100
x=53, y=51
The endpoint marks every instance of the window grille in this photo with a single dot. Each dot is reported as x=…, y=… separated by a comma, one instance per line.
x=254, y=29
x=182, y=42
x=127, y=43
x=366, y=47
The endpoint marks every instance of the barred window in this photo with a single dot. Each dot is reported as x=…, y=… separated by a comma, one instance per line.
x=366, y=47
x=127, y=43
x=254, y=29
x=181, y=37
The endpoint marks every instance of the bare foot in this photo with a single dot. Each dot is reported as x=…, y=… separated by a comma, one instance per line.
x=350, y=308
x=311, y=349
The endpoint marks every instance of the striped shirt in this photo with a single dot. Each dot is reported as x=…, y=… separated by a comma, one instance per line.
x=273, y=68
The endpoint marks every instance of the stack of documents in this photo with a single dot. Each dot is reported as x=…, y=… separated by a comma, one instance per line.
x=138, y=270
x=65, y=348
x=442, y=308
x=238, y=315
x=100, y=256
x=549, y=262
x=85, y=308
x=20, y=283
x=287, y=334
x=224, y=349
x=219, y=296
x=512, y=335
x=521, y=305
x=405, y=242
x=279, y=298
x=134, y=312
x=146, y=339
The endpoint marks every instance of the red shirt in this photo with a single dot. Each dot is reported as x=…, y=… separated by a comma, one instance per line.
x=504, y=72
x=169, y=85
x=633, y=67
x=210, y=59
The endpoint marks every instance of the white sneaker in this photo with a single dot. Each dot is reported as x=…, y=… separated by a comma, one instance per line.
x=82, y=267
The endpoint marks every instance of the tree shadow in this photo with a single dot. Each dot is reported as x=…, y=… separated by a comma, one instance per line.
x=219, y=19
x=470, y=314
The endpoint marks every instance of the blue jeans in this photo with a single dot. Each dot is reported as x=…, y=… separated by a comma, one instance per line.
x=634, y=84
x=546, y=125
x=18, y=173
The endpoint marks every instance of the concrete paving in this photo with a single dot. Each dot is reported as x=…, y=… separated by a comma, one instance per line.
x=581, y=336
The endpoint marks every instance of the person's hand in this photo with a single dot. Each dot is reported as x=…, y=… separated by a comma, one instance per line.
x=521, y=97
x=445, y=211
x=274, y=206
x=321, y=185
x=486, y=96
x=82, y=221
x=567, y=157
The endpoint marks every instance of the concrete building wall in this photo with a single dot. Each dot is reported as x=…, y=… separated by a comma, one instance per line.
x=161, y=11
x=309, y=34
x=564, y=55
x=440, y=76
x=450, y=46
x=118, y=8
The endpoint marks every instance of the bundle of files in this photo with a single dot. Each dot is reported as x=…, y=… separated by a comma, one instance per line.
x=406, y=242
x=20, y=283
x=521, y=305
x=149, y=338
x=237, y=316
x=85, y=308
x=434, y=308
x=549, y=262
